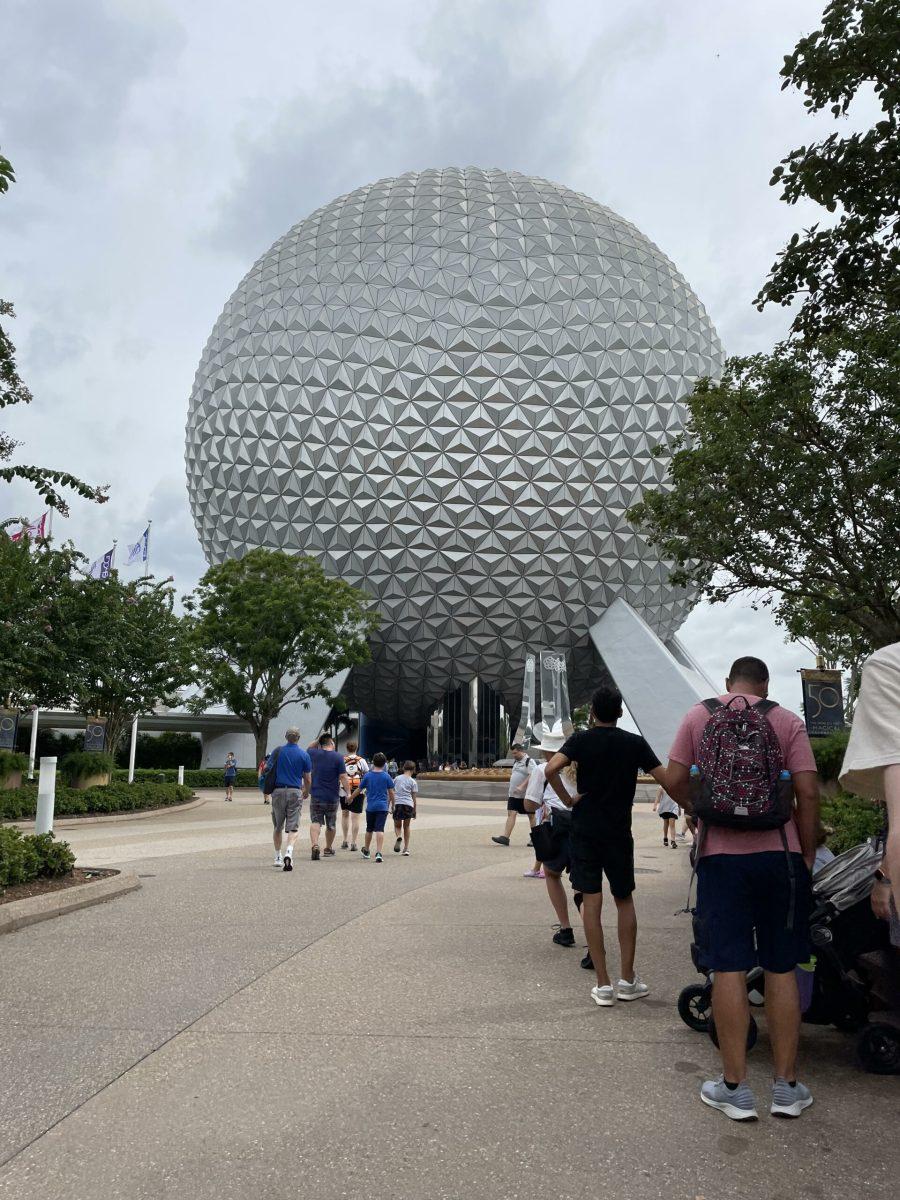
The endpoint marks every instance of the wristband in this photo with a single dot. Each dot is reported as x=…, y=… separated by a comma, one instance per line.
x=880, y=877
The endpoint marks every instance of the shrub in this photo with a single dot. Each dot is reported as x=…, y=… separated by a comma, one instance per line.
x=829, y=753
x=207, y=777
x=24, y=857
x=10, y=762
x=20, y=803
x=852, y=820
x=82, y=764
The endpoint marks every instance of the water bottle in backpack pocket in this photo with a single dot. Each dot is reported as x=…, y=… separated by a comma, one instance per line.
x=740, y=780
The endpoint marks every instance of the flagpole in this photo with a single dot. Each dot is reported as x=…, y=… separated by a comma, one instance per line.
x=147, y=548
x=112, y=557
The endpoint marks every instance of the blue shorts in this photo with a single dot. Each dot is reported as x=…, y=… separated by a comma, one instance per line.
x=375, y=820
x=743, y=904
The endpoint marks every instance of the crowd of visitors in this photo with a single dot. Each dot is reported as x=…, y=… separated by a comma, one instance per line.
x=741, y=775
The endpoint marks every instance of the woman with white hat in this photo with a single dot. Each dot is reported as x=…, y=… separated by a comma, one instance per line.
x=542, y=800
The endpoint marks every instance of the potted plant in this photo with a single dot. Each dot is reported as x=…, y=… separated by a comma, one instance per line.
x=86, y=768
x=12, y=766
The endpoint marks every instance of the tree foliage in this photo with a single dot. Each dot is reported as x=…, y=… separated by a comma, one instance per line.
x=270, y=629
x=851, y=267
x=126, y=650
x=34, y=578
x=50, y=483
x=785, y=483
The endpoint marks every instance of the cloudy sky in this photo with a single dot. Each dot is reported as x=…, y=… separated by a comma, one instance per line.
x=161, y=147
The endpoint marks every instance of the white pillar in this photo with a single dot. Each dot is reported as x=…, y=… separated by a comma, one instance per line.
x=181, y=774
x=33, y=751
x=46, y=799
x=133, y=750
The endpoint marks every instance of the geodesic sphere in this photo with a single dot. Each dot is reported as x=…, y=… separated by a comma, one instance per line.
x=446, y=387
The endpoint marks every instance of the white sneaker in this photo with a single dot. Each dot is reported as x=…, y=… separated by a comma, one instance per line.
x=277, y=862
x=604, y=996
x=636, y=990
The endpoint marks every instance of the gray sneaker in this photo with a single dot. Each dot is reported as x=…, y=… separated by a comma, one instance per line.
x=634, y=989
x=739, y=1105
x=789, y=1100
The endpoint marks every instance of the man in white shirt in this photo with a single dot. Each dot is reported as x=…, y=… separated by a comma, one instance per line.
x=542, y=803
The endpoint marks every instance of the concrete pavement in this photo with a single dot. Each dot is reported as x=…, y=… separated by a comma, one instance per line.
x=397, y=1030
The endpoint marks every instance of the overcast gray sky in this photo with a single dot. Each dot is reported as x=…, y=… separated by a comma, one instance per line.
x=161, y=147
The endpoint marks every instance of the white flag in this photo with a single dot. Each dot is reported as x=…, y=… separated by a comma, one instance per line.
x=138, y=551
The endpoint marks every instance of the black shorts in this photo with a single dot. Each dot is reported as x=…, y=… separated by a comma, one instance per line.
x=516, y=804
x=404, y=812
x=743, y=905
x=669, y=816
x=595, y=856
x=354, y=804
x=563, y=861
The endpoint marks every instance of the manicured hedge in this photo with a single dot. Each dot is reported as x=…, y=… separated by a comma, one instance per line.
x=20, y=804
x=24, y=857
x=85, y=764
x=209, y=777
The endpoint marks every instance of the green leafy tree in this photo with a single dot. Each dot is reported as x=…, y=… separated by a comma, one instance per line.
x=784, y=484
x=851, y=267
x=34, y=579
x=269, y=630
x=127, y=650
x=50, y=483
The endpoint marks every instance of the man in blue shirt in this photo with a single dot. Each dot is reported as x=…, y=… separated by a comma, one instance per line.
x=293, y=770
x=329, y=775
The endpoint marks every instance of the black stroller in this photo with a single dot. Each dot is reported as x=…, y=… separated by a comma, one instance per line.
x=856, y=982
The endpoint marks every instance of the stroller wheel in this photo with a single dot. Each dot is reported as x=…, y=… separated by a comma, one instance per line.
x=878, y=1049
x=752, y=1033
x=694, y=1006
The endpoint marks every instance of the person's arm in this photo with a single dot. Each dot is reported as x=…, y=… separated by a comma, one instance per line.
x=661, y=776
x=391, y=798
x=307, y=784
x=344, y=783
x=678, y=783
x=415, y=798
x=890, y=864
x=659, y=796
x=551, y=773
x=534, y=793
x=806, y=813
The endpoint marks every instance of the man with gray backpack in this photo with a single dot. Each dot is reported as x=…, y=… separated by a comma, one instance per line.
x=744, y=767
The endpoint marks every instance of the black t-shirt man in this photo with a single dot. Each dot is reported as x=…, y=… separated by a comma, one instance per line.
x=607, y=760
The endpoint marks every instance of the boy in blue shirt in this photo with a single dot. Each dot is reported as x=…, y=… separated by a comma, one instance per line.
x=379, y=788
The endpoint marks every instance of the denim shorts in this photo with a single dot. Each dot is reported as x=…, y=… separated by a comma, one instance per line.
x=743, y=910
x=376, y=820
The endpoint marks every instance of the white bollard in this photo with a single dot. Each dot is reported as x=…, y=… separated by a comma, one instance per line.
x=33, y=751
x=43, y=820
x=181, y=774
x=133, y=750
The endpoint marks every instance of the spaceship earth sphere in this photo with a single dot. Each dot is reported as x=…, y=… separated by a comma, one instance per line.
x=446, y=387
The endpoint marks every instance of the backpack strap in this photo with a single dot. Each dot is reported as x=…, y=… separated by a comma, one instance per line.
x=765, y=706
x=712, y=704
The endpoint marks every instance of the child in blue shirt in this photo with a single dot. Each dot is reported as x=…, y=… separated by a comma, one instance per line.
x=379, y=789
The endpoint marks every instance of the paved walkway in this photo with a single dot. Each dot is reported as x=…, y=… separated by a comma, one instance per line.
x=403, y=1030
